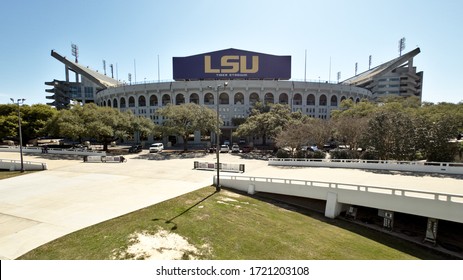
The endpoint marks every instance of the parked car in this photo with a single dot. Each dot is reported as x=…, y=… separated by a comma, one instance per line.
x=156, y=147
x=224, y=148
x=135, y=149
x=235, y=149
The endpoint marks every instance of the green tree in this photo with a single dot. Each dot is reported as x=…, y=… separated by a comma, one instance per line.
x=33, y=121
x=437, y=137
x=264, y=124
x=104, y=124
x=391, y=135
x=185, y=119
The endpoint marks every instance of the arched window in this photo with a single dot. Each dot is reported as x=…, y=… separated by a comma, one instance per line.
x=311, y=99
x=194, y=98
x=131, y=101
x=357, y=100
x=165, y=99
x=208, y=99
x=224, y=98
x=179, y=99
x=104, y=103
x=253, y=98
x=115, y=103
x=109, y=102
x=322, y=101
x=343, y=98
x=334, y=100
x=122, y=102
x=141, y=101
x=297, y=99
x=268, y=98
x=153, y=100
x=283, y=99
x=239, y=98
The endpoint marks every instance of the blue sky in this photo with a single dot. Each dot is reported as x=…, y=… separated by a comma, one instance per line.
x=124, y=32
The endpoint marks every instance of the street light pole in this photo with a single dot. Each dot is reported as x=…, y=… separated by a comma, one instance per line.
x=217, y=185
x=19, y=102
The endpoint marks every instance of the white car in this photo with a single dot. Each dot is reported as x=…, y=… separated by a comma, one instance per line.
x=224, y=148
x=235, y=149
x=156, y=147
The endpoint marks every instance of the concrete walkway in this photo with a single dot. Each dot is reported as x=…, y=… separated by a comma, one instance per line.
x=41, y=206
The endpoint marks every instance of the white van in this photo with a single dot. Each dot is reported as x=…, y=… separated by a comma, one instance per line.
x=156, y=147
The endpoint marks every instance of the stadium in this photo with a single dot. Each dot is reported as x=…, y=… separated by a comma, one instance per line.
x=236, y=79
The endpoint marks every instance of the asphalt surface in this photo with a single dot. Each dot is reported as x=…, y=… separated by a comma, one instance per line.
x=39, y=207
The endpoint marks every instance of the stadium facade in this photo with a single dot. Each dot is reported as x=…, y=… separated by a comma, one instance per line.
x=250, y=77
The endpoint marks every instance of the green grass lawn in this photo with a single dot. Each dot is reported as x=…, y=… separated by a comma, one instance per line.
x=229, y=225
x=4, y=174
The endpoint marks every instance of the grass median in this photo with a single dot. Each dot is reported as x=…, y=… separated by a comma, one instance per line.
x=227, y=225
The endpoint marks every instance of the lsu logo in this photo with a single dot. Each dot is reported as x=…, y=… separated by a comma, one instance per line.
x=232, y=64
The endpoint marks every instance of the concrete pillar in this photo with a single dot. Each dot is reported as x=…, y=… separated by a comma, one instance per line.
x=251, y=189
x=333, y=207
x=197, y=136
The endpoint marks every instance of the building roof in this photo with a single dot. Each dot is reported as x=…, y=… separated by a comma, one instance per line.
x=369, y=75
x=100, y=79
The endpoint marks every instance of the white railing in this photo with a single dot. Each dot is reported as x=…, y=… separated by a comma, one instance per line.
x=40, y=150
x=445, y=206
x=227, y=167
x=12, y=165
x=411, y=166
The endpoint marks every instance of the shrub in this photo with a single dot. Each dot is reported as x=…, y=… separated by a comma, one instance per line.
x=316, y=154
x=282, y=154
x=343, y=154
x=369, y=155
x=300, y=154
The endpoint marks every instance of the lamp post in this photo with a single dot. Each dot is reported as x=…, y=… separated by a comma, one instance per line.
x=19, y=102
x=217, y=150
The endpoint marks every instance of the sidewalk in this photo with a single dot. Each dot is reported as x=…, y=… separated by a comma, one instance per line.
x=39, y=207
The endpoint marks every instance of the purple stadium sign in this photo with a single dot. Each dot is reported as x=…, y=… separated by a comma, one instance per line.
x=232, y=64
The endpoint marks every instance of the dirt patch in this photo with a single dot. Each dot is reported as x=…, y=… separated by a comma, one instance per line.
x=163, y=245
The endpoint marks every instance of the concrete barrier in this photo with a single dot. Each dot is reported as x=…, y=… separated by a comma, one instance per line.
x=15, y=165
x=104, y=159
x=454, y=168
x=39, y=150
x=226, y=167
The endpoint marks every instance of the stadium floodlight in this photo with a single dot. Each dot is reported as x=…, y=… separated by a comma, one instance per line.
x=75, y=52
x=401, y=45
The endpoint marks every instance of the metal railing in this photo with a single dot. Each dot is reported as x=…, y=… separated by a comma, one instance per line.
x=411, y=166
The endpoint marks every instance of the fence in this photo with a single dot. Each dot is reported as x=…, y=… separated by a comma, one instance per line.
x=227, y=167
x=40, y=150
x=410, y=166
x=14, y=165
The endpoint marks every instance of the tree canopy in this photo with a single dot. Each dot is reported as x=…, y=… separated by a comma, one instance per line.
x=33, y=121
x=265, y=123
x=103, y=124
x=185, y=119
